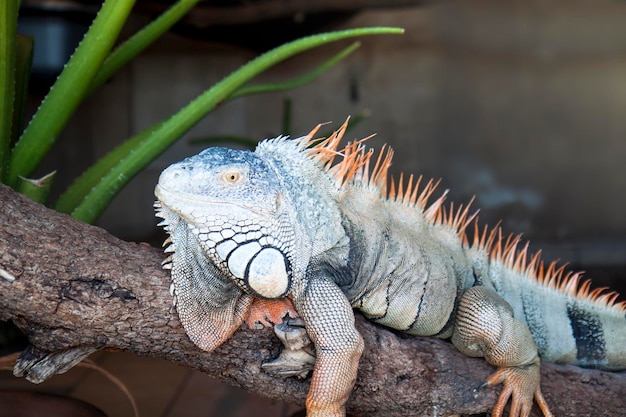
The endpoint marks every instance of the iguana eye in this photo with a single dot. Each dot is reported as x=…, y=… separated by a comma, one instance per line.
x=232, y=177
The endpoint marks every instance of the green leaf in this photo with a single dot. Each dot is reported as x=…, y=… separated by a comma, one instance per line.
x=23, y=64
x=36, y=189
x=8, y=27
x=140, y=41
x=295, y=82
x=156, y=139
x=69, y=90
x=272, y=88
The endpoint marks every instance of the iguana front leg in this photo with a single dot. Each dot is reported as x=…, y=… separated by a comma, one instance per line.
x=210, y=306
x=329, y=321
x=485, y=326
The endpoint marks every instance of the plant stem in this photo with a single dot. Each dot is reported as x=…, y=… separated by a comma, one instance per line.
x=23, y=63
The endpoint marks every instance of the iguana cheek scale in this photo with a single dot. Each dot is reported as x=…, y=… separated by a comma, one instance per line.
x=288, y=227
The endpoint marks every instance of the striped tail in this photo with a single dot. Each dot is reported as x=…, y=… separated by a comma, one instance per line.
x=570, y=322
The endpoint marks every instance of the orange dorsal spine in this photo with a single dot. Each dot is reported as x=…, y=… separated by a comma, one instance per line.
x=354, y=168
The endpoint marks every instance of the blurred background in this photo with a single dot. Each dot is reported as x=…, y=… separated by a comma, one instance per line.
x=519, y=103
x=522, y=104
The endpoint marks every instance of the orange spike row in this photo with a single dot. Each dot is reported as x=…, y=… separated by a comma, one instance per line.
x=434, y=211
x=490, y=238
x=355, y=159
x=410, y=196
x=533, y=265
x=569, y=282
x=438, y=216
x=585, y=287
x=355, y=166
x=362, y=174
x=461, y=219
x=397, y=192
x=400, y=193
x=598, y=291
x=608, y=298
x=499, y=247
x=308, y=138
x=510, y=249
x=413, y=198
x=380, y=173
x=353, y=163
x=497, y=231
x=406, y=194
x=427, y=192
x=325, y=150
x=495, y=252
x=360, y=161
x=552, y=275
x=391, y=194
x=484, y=239
x=410, y=187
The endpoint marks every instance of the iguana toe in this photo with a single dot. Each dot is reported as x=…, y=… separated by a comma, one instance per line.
x=521, y=386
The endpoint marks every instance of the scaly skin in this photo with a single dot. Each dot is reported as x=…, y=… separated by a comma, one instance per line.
x=285, y=223
x=485, y=327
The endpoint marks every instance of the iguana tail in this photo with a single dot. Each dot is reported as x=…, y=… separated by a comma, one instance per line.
x=570, y=322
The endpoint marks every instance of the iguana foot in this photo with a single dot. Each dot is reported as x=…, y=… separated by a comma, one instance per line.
x=485, y=326
x=298, y=356
x=521, y=385
x=266, y=313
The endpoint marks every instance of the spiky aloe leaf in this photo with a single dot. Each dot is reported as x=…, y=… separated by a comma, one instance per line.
x=68, y=90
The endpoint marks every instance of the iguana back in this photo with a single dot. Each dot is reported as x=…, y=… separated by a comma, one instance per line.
x=411, y=260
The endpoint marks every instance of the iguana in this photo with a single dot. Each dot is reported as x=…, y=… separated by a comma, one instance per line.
x=288, y=223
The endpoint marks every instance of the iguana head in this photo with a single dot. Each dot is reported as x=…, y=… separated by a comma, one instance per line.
x=260, y=217
x=231, y=201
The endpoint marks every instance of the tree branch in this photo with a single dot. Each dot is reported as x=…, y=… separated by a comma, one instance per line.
x=71, y=287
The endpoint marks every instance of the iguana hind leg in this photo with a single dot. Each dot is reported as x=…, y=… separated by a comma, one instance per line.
x=485, y=326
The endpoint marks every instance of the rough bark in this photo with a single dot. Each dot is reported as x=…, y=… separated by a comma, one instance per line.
x=71, y=286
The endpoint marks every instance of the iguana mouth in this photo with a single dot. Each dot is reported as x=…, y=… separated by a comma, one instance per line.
x=173, y=200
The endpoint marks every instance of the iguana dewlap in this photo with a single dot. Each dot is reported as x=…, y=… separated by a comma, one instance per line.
x=286, y=222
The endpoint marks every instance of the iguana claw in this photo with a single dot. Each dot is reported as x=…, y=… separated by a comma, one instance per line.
x=521, y=385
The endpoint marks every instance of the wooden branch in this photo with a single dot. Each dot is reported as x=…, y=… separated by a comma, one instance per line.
x=73, y=288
